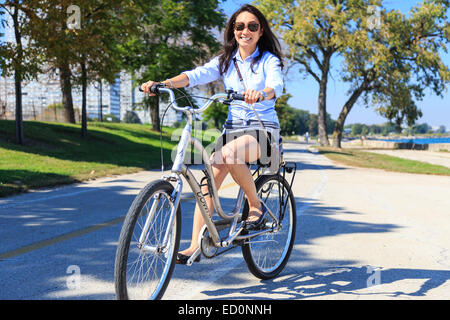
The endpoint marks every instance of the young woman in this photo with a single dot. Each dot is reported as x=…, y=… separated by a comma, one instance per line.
x=250, y=63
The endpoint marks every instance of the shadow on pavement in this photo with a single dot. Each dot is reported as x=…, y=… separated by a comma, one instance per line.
x=337, y=280
x=307, y=277
x=94, y=253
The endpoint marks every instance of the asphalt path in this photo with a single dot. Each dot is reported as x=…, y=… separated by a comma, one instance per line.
x=361, y=234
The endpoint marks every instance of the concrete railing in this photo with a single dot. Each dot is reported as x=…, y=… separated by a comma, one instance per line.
x=378, y=144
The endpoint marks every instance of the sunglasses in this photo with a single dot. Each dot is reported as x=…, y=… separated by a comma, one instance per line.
x=252, y=26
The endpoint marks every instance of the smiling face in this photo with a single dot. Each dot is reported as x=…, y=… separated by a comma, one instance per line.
x=246, y=38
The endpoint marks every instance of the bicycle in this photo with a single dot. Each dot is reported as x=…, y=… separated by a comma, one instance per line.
x=150, y=236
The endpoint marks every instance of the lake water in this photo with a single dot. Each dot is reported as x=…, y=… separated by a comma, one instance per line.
x=422, y=140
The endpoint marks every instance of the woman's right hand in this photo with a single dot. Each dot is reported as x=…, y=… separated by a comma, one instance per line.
x=146, y=87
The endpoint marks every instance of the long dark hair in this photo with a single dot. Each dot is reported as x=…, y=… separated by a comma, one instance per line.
x=267, y=42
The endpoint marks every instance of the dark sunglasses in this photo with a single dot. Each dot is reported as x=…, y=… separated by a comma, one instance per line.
x=252, y=26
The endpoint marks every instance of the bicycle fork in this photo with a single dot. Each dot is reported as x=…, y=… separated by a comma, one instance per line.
x=175, y=199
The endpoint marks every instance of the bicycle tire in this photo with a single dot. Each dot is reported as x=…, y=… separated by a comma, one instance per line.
x=267, y=264
x=125, y=264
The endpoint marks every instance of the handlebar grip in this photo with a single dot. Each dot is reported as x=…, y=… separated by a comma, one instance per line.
x=154, y=88
x=237, y=96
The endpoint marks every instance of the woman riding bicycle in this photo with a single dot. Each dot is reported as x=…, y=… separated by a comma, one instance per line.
x=250, y=62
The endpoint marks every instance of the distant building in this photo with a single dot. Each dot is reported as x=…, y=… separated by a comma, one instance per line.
x=116, y=98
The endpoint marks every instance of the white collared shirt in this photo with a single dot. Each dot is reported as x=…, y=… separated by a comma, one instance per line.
x=266, y=74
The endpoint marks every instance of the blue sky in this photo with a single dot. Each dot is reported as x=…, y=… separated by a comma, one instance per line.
x=304, y=91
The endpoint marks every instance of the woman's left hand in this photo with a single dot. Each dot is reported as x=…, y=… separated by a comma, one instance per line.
x=252, y=96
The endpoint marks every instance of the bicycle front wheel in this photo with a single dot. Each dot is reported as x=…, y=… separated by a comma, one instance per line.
x=148, y=244
x=266, y=255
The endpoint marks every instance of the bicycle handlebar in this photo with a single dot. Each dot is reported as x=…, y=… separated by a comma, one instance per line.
x=228, y=97
x=237, y=96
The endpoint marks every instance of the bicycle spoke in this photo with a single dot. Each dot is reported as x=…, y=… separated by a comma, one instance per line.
x=148, y=264
x=265, y=254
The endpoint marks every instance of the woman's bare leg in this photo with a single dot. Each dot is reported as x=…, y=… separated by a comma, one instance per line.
x=231, y=159
x=220, y=171
x=236, y=154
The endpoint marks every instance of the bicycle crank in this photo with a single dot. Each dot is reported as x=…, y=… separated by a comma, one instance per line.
x=206, y=244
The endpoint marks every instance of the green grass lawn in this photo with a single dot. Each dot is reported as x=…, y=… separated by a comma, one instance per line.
x=55, y=153
x=363, y=159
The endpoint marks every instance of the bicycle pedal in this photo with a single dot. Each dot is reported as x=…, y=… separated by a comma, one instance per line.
x=194, y=258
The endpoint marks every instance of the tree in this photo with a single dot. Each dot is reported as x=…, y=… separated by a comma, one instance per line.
x=330, y=123
x=18, y=59
x=314, y=32
x=389, y=127
x=357, y=129
x=104, y=27
x=292, y=120
x=90, y=44
x=393, y=64
x=364, y=130
x=49, y=31
x=421, y=128
x=313, y=126
x=217, y=112
x=131, y=117
x=441, y=129
x=174, y=36
x=301, y=121
x=85, y=46
x=285, y=114
x=388, y=60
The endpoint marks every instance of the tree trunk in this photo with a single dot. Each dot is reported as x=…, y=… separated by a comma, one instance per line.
x=100, y=108
x=339, y=126
x=322, y=113
x=216, y=122
x=18, y=79
x=154, y=113
x=66, y=88
x=19, y=118
x=84, y=132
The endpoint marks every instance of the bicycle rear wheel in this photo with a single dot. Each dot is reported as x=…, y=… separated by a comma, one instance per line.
x=144, y=265
x=266, y=255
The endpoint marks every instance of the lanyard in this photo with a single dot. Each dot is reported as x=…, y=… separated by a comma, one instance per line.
x=245, y=89
x=239, y=73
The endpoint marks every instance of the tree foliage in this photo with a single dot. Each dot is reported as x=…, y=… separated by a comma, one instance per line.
x=387, y=57
x=295, y=121
x=174, y=36
x=79, y=55
x=392, y=65
x=17, y=58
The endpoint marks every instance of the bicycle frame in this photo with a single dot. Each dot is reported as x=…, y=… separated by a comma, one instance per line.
x=180, y=169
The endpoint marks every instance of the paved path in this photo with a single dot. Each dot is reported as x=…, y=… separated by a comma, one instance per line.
x=439, y=158
x=361, y=234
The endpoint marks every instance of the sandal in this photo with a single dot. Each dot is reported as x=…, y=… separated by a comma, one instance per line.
x=258, y=224
x=183, y=259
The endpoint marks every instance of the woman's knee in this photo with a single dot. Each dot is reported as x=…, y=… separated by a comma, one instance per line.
x=229, y=155
x=219, y=168
x=242, y=150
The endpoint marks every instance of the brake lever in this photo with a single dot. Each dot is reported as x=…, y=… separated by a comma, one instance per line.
x=233, y=95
